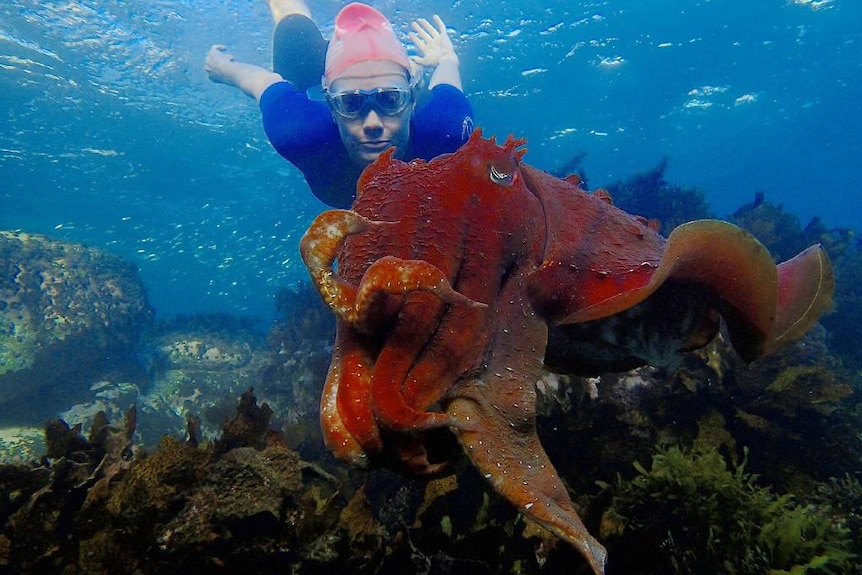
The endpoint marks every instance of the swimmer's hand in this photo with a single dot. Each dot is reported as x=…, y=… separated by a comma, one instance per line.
x=217, y=64
x=432, y=43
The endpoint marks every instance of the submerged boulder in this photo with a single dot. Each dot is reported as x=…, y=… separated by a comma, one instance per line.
x=65, y=310
x=197, y=365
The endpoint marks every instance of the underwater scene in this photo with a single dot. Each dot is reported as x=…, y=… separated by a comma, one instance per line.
x=615, y=332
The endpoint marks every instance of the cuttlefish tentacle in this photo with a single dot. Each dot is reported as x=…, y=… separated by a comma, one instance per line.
x=348, y=436
x=395, y=276
x=319, y=248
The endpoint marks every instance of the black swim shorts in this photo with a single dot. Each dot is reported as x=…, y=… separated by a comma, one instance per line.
x=298, y=51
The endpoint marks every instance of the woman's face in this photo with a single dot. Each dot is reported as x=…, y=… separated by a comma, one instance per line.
x=374, y=128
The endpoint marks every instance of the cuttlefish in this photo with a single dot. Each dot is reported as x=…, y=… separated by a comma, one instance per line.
x=455, y=282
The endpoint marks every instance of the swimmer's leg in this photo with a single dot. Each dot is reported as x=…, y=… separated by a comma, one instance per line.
x=298, y=49
x=281, y=9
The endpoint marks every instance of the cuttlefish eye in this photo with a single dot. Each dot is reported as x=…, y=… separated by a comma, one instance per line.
x=500, y=177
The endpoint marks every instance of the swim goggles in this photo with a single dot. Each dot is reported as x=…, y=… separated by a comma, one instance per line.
x=355, y=103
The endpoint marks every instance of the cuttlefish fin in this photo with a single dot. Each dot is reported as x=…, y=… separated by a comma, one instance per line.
x=806, y=285
x=764, y=306
x=736, y=274
x=500, y=438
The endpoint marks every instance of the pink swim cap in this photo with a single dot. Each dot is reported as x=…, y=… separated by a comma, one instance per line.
x=361, y=33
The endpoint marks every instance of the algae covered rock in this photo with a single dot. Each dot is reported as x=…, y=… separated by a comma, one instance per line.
x=64, y=308
x=211, y=342
x=197, y=364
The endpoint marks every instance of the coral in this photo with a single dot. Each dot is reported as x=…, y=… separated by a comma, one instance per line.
x=690, y=513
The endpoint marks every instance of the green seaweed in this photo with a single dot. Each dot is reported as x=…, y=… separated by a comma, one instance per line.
x=844, y=496
x=691, y=513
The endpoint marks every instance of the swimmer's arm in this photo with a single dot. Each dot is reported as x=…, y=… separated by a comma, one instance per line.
x=436, y=50
x=252, y=80
x=448, y=71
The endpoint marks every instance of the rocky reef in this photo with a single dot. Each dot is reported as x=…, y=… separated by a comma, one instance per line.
x=715, y=467
x=243, y=503
x=248, y=502
x=66, y=311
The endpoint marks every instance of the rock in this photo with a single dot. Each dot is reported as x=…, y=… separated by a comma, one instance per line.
x=21, y=444
x=66, y=311
x=112, y=398
x=198, y=364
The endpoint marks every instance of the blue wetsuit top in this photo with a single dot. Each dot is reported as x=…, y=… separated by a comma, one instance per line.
x=304, y=132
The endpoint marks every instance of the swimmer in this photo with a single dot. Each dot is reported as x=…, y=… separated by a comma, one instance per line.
x=332, y=107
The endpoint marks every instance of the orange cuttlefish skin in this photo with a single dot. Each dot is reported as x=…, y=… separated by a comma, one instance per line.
x=457, y=281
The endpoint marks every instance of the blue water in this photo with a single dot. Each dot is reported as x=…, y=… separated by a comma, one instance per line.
x=112, y=135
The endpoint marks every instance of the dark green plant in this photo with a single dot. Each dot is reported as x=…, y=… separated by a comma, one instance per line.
x=844, y=496
x=845, y=324
x=302, y=318
x=781, y=232
x=650, y=195
x=690, y=513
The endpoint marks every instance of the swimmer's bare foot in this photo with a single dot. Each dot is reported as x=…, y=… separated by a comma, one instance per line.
x=280, y=9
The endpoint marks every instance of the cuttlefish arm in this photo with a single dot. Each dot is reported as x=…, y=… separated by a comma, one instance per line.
x=350, y=421
x=504, y=447
x=494, y=417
